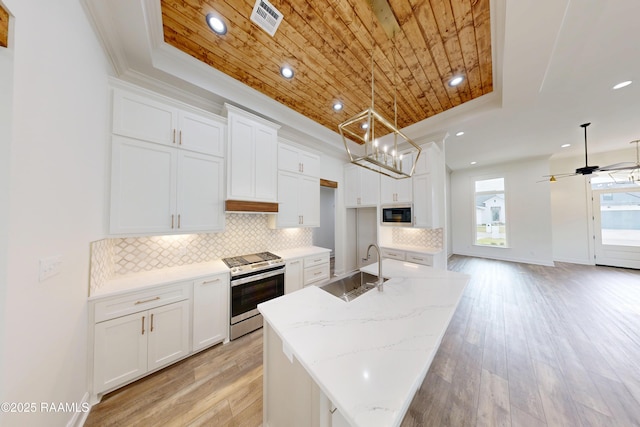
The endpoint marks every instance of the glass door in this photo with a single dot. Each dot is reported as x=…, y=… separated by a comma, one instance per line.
x=616, y=216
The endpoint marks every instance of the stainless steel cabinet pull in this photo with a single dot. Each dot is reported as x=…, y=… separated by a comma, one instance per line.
x=317, y=273
x=178, y=220
x=180, y=139
x=174, y=136
x=151, y=329
x=147, y=300
x=142, y=325
x=172, y=220
x=206, y=282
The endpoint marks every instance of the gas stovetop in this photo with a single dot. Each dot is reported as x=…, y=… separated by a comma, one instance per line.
x=252, y=262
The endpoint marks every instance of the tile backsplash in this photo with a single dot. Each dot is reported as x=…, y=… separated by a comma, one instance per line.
x=430, y=238
x=243, y=234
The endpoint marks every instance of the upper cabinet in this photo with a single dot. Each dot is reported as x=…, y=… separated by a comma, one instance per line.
x=428, y=188
x=148, y=119
x=167, y=169
x=252, y=161
x=298, y=188
x=397, y=190
x=362, y=186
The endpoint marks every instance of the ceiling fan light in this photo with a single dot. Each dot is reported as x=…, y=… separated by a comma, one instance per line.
x=622, y=84
x=552, y=179
x=216, y=24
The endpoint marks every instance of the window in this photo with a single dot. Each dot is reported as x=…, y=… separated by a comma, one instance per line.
x=491, y=219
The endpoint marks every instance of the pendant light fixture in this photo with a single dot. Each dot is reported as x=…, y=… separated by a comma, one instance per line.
x=372, y=141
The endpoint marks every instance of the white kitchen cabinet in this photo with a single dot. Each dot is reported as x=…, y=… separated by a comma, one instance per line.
x=395, y=190
x=362, y=187
x=428, y=188
x=298, y=201
x=393, y=254
x=316, y=269
x=252, y=157
x=294, y=159
x=157, y=119
x=293, y=275
x=156, y=188
x=210, y=311
x=128, y=347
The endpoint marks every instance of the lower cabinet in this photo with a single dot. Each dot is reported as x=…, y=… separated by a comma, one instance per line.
x=316, y=269
x=293, y=275
x=210, y=311
x=129, y=346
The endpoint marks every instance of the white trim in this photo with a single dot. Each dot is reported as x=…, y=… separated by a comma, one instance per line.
x=78, y=419
x=510, y=259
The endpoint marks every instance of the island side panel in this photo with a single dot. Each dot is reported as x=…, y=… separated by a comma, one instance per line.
x=291, y=398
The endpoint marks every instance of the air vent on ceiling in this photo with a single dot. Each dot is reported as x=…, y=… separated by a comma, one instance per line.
x=266, y=16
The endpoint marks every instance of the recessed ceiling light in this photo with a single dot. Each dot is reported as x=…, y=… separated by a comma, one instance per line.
x=365, y=125
x=622, y=84
x=460, y=133
x=286, y=72
x=216, y=24
x=565, y=145
x=456, y=81
x=338, y=106
x=473, y=163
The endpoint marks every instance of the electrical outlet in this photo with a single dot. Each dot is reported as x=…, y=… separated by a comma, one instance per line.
x=50, y=266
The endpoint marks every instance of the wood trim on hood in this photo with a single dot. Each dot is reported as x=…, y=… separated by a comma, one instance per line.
x=247, y=206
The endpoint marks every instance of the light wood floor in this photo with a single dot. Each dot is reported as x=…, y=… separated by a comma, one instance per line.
x=528, y=346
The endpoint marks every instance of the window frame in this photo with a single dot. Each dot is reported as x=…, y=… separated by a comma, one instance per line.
x=475, y=194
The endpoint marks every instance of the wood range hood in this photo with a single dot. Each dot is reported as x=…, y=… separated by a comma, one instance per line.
x=246, y=206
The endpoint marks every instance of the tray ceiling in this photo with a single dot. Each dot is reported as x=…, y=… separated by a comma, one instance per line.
x=328, y=44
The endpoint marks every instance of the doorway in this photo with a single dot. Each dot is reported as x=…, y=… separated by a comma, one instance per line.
x=616, y=219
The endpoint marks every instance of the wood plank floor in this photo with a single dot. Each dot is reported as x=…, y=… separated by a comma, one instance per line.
x=528, y=346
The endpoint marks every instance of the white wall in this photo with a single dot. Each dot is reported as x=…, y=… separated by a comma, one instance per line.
x=528, y=212
x=58, y=158
x=571, y=206
x=325, y=235
x=6, y=89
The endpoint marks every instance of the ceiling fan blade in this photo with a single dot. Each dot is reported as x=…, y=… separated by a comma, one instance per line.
x=620, y=167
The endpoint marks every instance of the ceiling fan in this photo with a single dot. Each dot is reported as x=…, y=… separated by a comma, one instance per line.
x=588, y=170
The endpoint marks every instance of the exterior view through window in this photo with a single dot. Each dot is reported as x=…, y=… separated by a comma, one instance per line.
x=491, y=220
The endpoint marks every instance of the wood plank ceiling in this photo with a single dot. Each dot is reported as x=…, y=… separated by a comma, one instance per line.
x=4, y=27
x=328, y=43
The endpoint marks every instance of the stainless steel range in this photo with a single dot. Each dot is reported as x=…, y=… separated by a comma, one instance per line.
x=255, y=278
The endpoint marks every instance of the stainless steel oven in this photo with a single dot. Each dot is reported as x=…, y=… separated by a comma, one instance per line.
x=255, y=278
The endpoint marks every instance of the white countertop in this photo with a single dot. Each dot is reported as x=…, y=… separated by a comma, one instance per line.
x=288, y=254
x=163, y=276
x=370, y=355
x=421, y=249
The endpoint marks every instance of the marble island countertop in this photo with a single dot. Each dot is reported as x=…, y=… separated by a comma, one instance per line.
x=370, y=355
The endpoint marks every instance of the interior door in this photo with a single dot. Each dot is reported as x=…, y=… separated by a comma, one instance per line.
x=616, y=216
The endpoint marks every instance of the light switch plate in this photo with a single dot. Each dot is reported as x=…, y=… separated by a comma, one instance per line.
x=50, y=266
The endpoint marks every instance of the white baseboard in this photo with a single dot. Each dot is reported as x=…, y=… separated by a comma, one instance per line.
x=78, y=419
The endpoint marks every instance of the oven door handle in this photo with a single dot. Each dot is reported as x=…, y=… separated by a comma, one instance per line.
x=244, y=280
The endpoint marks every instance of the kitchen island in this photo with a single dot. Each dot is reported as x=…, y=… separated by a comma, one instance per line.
x=328, y=362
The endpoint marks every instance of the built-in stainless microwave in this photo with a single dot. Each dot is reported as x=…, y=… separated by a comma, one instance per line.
x=400, y=215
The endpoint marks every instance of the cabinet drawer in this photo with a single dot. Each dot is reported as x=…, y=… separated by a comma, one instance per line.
x=419, y=258
x=316, y=274
x=393, y=254
x=110, y=308
x=316, y=260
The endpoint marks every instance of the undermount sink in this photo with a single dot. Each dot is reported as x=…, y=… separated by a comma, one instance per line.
x=352, y=286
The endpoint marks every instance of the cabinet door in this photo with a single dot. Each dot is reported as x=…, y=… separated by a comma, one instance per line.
x=288, y=200
x=293, y=277
x=310, y=164
x=199, y=133
x=424, y=207
x=369, y=187
x=120, y=350
x=168, y=338
x=241, y=158
x=288, y=159
x=351, y=186
x=266, y=164
x=143, y=189
x=309, y=201
x=200, y=194
x=144, y=118
x=210, y=311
